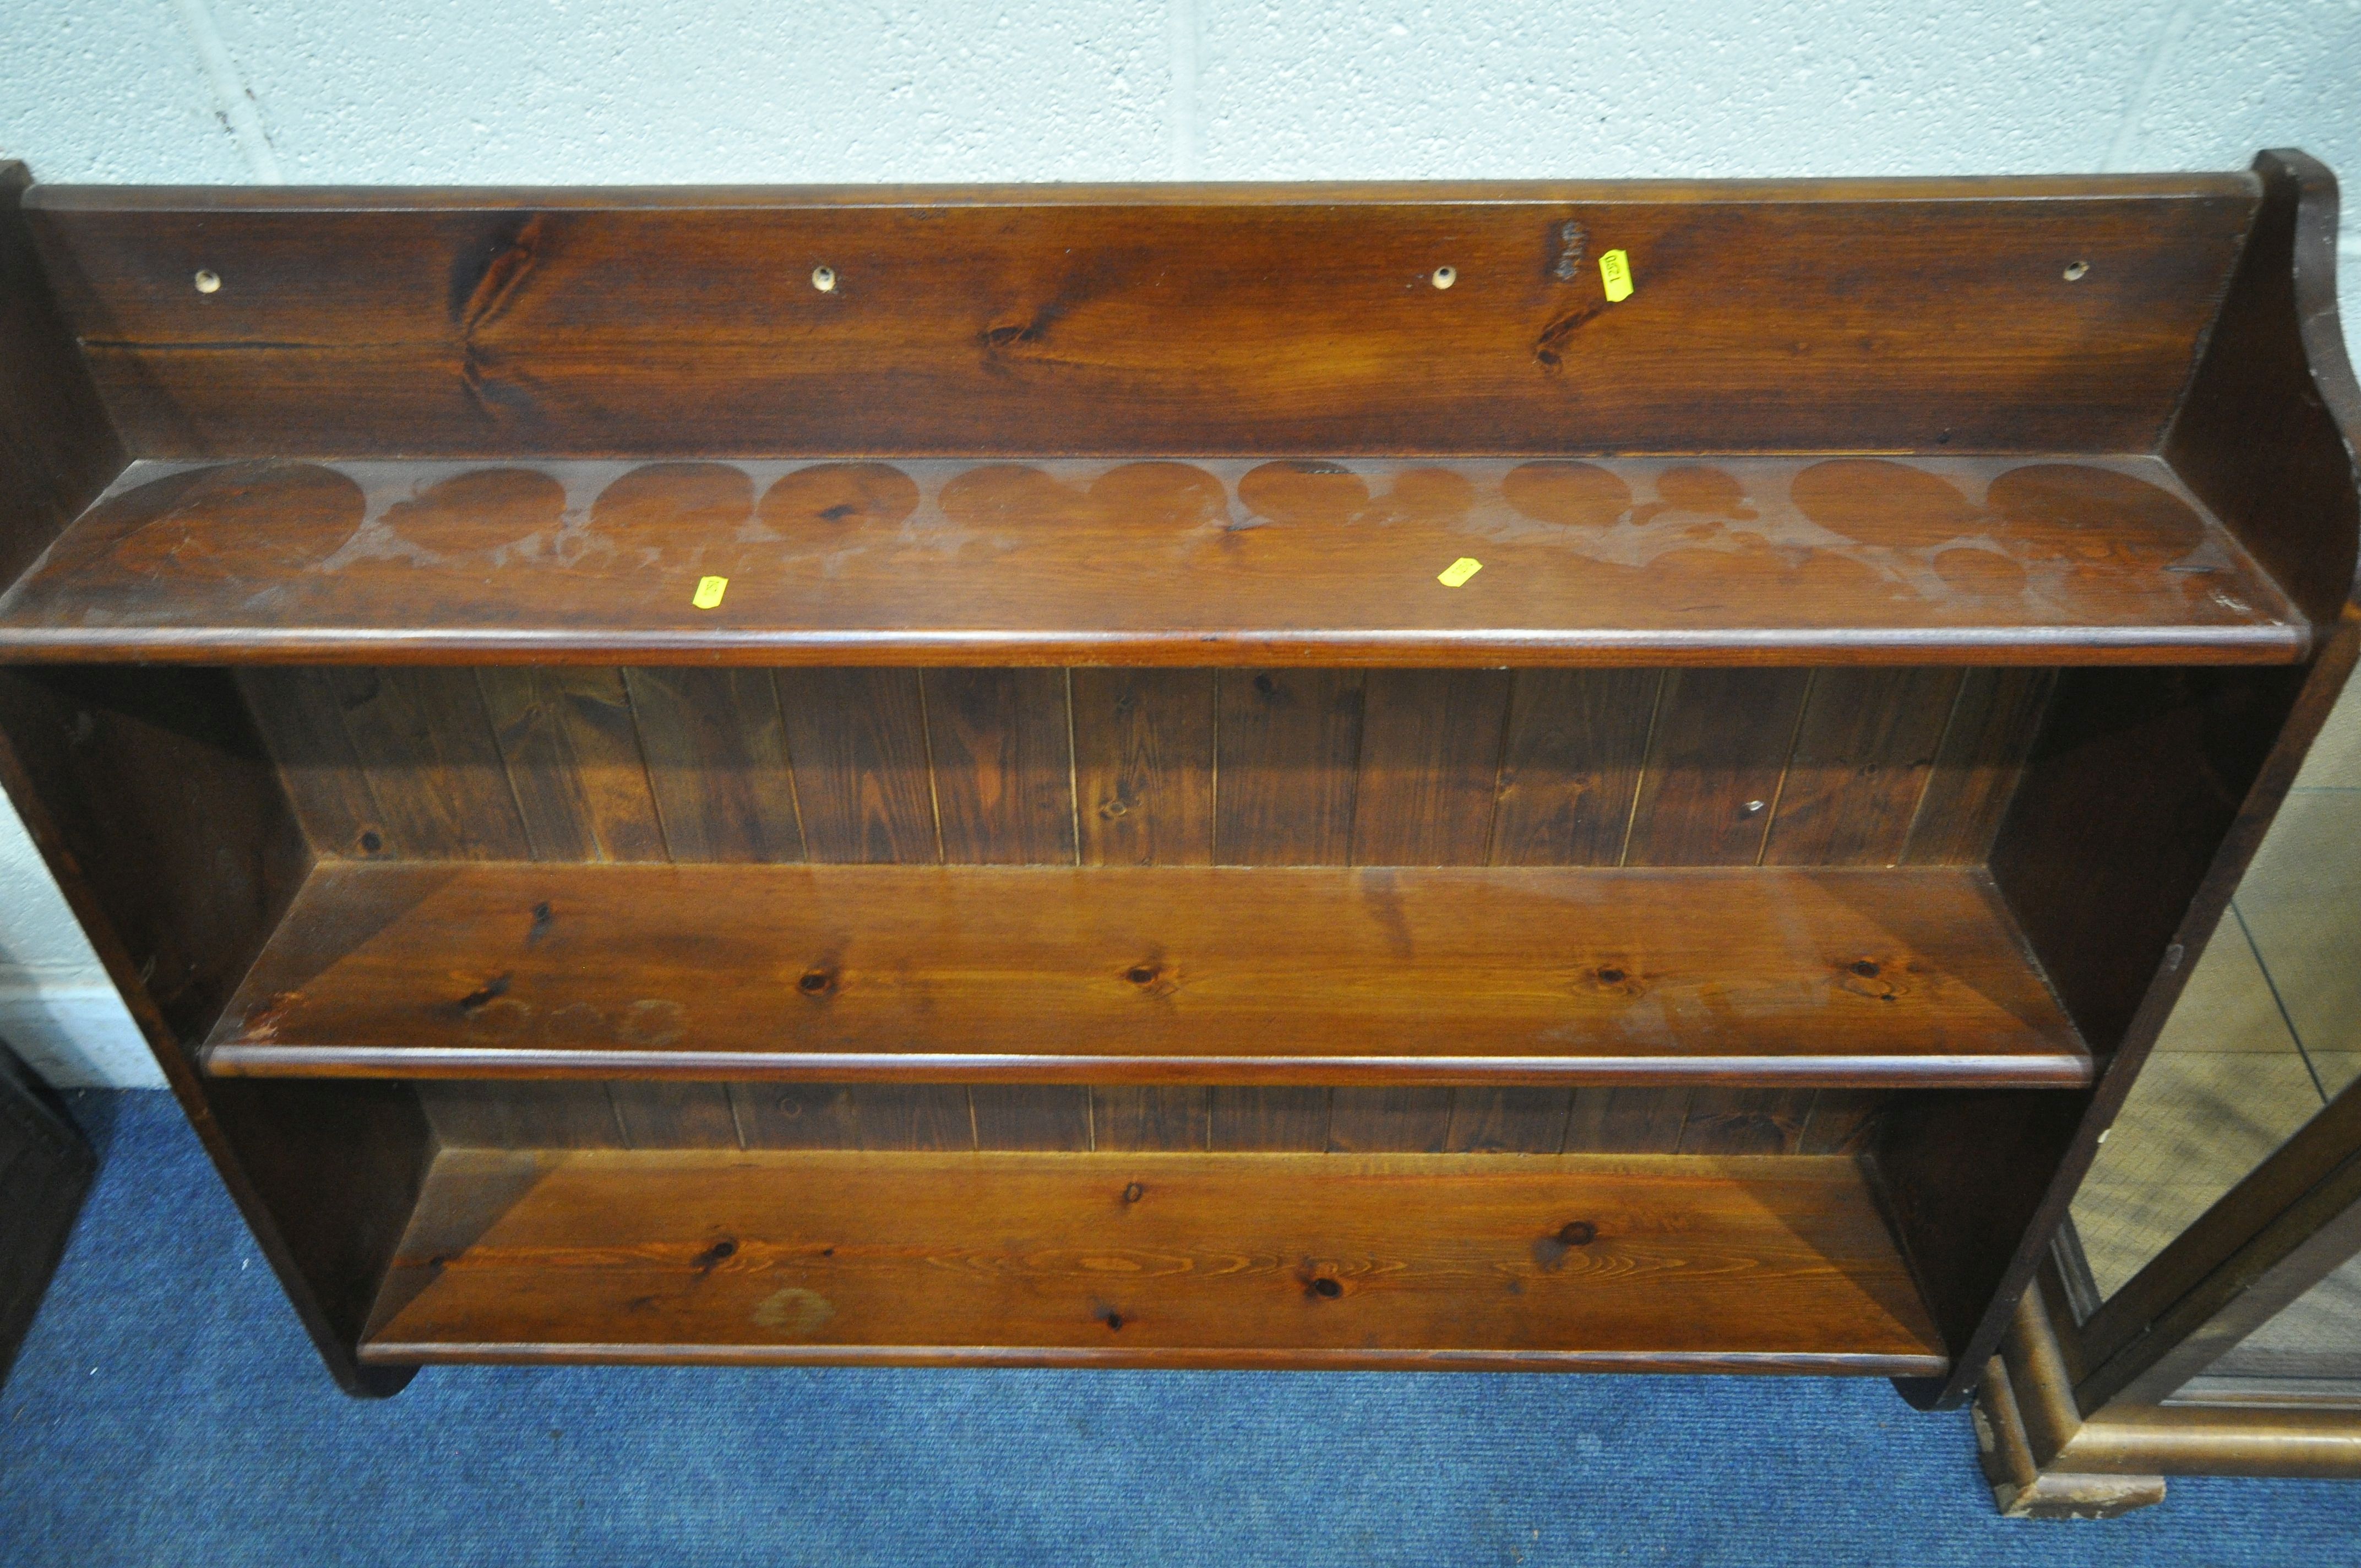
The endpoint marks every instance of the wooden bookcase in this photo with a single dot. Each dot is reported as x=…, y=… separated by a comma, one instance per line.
x=1089, y=893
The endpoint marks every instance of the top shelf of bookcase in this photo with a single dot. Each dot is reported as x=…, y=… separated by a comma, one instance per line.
x=2013, y=420
x=1793, y=560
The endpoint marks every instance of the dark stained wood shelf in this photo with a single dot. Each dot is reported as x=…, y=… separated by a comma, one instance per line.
x=1221, y=975
x=1339, y=1261
x=1329, y=879
x=1777, y=560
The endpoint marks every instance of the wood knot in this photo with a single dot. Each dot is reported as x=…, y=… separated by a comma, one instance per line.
x=718, y=1251
x=485, y=996
x=1327, y=1287
x=1549, y=348
x=818, y=982
x=1612, y=978
x=1152, y=979
x=1871, y=978
x=1134, y=1193
x=1550, y=1252
x=371, y=842
x=1112, y=1320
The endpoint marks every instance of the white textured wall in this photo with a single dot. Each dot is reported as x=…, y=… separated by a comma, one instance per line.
x=461, y=91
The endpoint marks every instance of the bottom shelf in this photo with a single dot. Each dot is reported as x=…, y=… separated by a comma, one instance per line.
x=1568, y=1262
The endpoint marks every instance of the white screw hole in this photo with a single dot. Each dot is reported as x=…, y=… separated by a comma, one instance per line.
x=824, y=279
x=1444, y=277
x=207, y=281
x=2076, y=270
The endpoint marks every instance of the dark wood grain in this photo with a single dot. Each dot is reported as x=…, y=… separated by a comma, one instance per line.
x=1151, y=1116
x=149, y=799
x=1388, y=1120
x=982, y=974
x=1710, y=786
x=1154, y=1259
x=300, y=719
x=669, y=1114
x=1977, y=766
x=2101, y=874
x=1570, y=760
x=2071, y=559
x=1287, y=747
x=572, y=750
x=1143, y=766
x=164, y=805
x=716, y=749
x=1844, y=1121
x=1000, y=746
x=1267, y=1118
x=1570, y=769
x=1030, y=1116
x=2266, y=429
x=2118, y=914
x=859, y=741
x=1864, y=752
x=797, y=1115
x=1609, y=1120
x=1430, y=765
x=1512, y=1121
x=913, y=1116
x=1745, y=1120
x=58, y=447
x=1003, y=761
x=495, y=1115
x=1289, y=742
x=1886, y=315
x=2034, y=578
x=432, y=762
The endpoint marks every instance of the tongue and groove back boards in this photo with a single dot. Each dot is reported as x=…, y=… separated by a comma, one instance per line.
x=1135, y=768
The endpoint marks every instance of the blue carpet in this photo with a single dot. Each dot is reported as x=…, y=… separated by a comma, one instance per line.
x=167, y=1410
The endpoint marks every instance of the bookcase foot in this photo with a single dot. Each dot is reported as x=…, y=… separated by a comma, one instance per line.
x=2022, y=1489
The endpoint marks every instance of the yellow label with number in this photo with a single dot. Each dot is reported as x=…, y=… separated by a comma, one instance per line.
x=1615, y=271
x=709, y=592
x=1459, y=571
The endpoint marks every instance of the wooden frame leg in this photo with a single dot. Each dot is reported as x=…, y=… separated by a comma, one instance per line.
x=2022, y=1488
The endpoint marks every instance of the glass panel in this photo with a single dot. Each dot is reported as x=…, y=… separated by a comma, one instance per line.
x=2270, y=1027
x=2308, y=1356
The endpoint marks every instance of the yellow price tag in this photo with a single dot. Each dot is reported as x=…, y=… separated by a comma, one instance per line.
x=1459, y=571
x=709, y=592
x=1615, y=272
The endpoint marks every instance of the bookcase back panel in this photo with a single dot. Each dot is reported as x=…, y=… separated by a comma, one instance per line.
x=1868, y=315
x=1135, y=767
x=643, y=1114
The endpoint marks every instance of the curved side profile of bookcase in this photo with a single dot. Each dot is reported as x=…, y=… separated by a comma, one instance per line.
x=2268, y=435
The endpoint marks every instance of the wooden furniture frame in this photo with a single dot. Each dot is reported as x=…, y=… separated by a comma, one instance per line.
x=1088, y=892
x=2092, y=1403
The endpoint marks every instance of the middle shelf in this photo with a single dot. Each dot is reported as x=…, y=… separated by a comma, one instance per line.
x=1853, y=977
